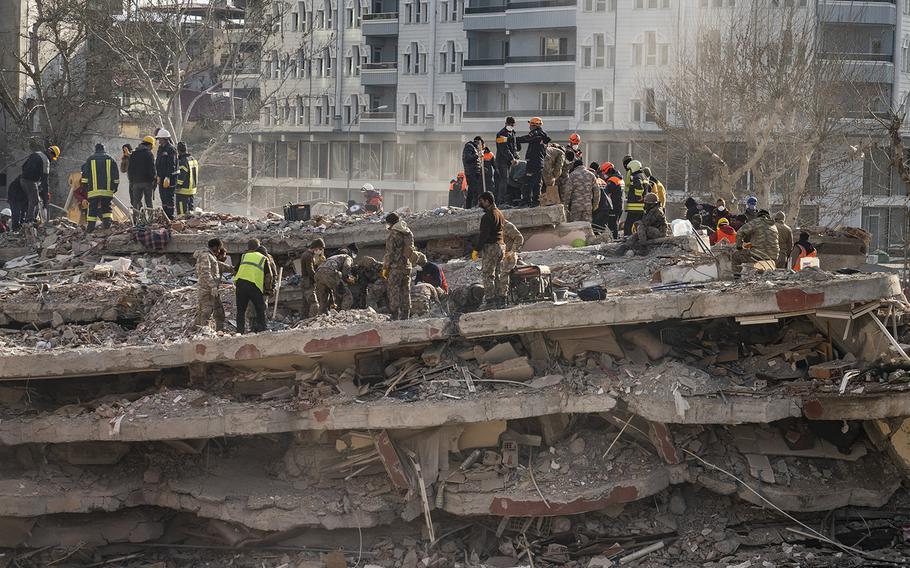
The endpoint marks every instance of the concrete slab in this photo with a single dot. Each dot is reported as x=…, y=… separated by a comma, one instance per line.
x=261, y=348
x=238, y=419
x=464, y=224
x=713, y=300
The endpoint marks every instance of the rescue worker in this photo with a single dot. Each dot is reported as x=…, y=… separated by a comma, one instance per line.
x=724, y=233
x=756, y=241
x=310, y=260
x=18, y=203
x=516, y=183
x=720, y=211
x=423, y=297
x=636, y=190
x=696, y=209
x=101, y=179
x=396, y=266
x=554, y=165
x=141, y=174
x=785, y=239
x=34, y=179
x=252, y=279
x=749, y=214
x=627, y=176
x=610, y=209
x=372, y=198
x=126, y=150
x=431, y=273
x=582, y=192
x=513, y=240
x=653, y=224
x=210, y=266
x=536, y=140
x=472, y=162
x=6, y=220
x=187, y=179
x=507, y=155
x=369, y=286
x=575, y=145
x=489, y=170
x=802, y=249
x=466, y=299
x=458, y=190
x=657, y=187
x=491, y=244
x=166, y=170
x=335, y=271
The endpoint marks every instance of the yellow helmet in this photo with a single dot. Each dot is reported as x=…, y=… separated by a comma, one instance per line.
x=149, y=140
x=54, y=151
x=535, y=121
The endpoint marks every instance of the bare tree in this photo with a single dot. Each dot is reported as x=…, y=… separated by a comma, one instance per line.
x=757, y=100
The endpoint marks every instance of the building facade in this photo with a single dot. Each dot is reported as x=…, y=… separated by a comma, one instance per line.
x=387, y=92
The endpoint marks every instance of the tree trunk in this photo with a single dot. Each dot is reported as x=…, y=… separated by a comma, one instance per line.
x=793, y=201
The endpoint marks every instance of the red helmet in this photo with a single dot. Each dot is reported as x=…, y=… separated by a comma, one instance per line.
x=575, y=139
x=606, y=167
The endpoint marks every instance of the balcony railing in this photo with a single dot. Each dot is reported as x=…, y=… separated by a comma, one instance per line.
x=541, y=58
x=378, y=115
x=856, y=56
x=379, y=66
x=483, y=62
x=503, y=113
x=381, y=16
x=523, y=5
x=485, y=9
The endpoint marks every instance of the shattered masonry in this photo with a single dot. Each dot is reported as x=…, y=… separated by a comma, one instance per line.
x=668, y=420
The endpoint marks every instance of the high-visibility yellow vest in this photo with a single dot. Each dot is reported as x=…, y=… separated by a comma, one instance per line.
x=188, y=177
x=252, y=269
x=100, y=176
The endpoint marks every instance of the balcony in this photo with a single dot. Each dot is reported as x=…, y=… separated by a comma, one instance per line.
x=377, y=121
x=530, y=15
x=864, y=67
x=521, y=69
x=483, y=70
x=379, y=74
x=380, y=24
x=491, y=120
x=877, y=12
x=839, y=56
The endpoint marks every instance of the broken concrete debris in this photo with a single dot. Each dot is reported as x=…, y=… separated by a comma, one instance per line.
x=677, y=422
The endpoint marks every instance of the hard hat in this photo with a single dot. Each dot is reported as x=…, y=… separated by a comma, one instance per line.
x=367, y=187
x=575, y=139
x=535, y=121
x=723, y=221
x=6, y=213
x=606, y=167
x=149, y=140
x=651, y=198
x=163, y=133
x=634, y=166
x=55, y=151
x=752, y=200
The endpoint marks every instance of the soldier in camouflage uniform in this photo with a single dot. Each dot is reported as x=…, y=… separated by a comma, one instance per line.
x=513, y=240
x=423, y=297
x=466, y=299
x=310, y=260
x=368, y=272
x=400, y=252
x=653, y=224
x=553, y=168
x=209, y=268
x=334, y=272
x=582, y=195
x=762, y=239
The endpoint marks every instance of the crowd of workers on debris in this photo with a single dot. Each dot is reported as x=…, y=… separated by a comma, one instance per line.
x=550, y=173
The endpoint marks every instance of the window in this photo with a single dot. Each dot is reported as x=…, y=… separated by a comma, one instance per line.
x=550, y=46
x=408, y=13
x=597, y=5
x=599, y=50
x=457, y=9
x=886, y=224
x=651, y=52
x=552, y=101
x=443, y=10
x=449, y=110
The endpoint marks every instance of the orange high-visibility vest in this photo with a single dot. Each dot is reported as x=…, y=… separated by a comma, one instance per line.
x=803, y=254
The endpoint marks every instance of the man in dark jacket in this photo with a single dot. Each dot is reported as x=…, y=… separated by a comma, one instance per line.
x=141, y=173
x=101, y=179
x=166, y=169
x=506, y=155
x=491, y=243
x=472, y=160
x=489, y=170
x=18, y=203
x=34, y=179
x=610, y=215
x=537, y=141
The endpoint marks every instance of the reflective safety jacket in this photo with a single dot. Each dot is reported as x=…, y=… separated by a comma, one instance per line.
x=100, y=176
x=252, y=269
x=188, y=175
x=803, y=253
x=635, y=192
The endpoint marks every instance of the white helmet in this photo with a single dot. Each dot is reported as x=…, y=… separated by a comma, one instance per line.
x=163, y=133
x=6, y=213
x=367, y=187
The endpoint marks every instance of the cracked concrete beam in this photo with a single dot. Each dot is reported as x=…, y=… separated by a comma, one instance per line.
x=715, y=300
x=239, y=419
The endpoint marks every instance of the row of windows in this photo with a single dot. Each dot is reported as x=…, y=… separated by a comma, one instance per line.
x=419, y=12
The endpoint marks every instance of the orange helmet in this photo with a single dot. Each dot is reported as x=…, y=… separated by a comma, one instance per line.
x=606, y=167
x=535, y=121
x=575, y=139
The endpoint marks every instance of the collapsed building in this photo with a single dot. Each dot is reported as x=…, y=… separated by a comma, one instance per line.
x=685, y=419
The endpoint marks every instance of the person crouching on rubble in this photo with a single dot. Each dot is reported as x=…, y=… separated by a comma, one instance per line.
x=400, y=252
x=653, y=224
x=330, y=275
x=491, y=244
x=210, y=266
x=756, y=241
x=252, y=279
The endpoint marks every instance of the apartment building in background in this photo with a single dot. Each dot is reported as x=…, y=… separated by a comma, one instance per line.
x=388, y=91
